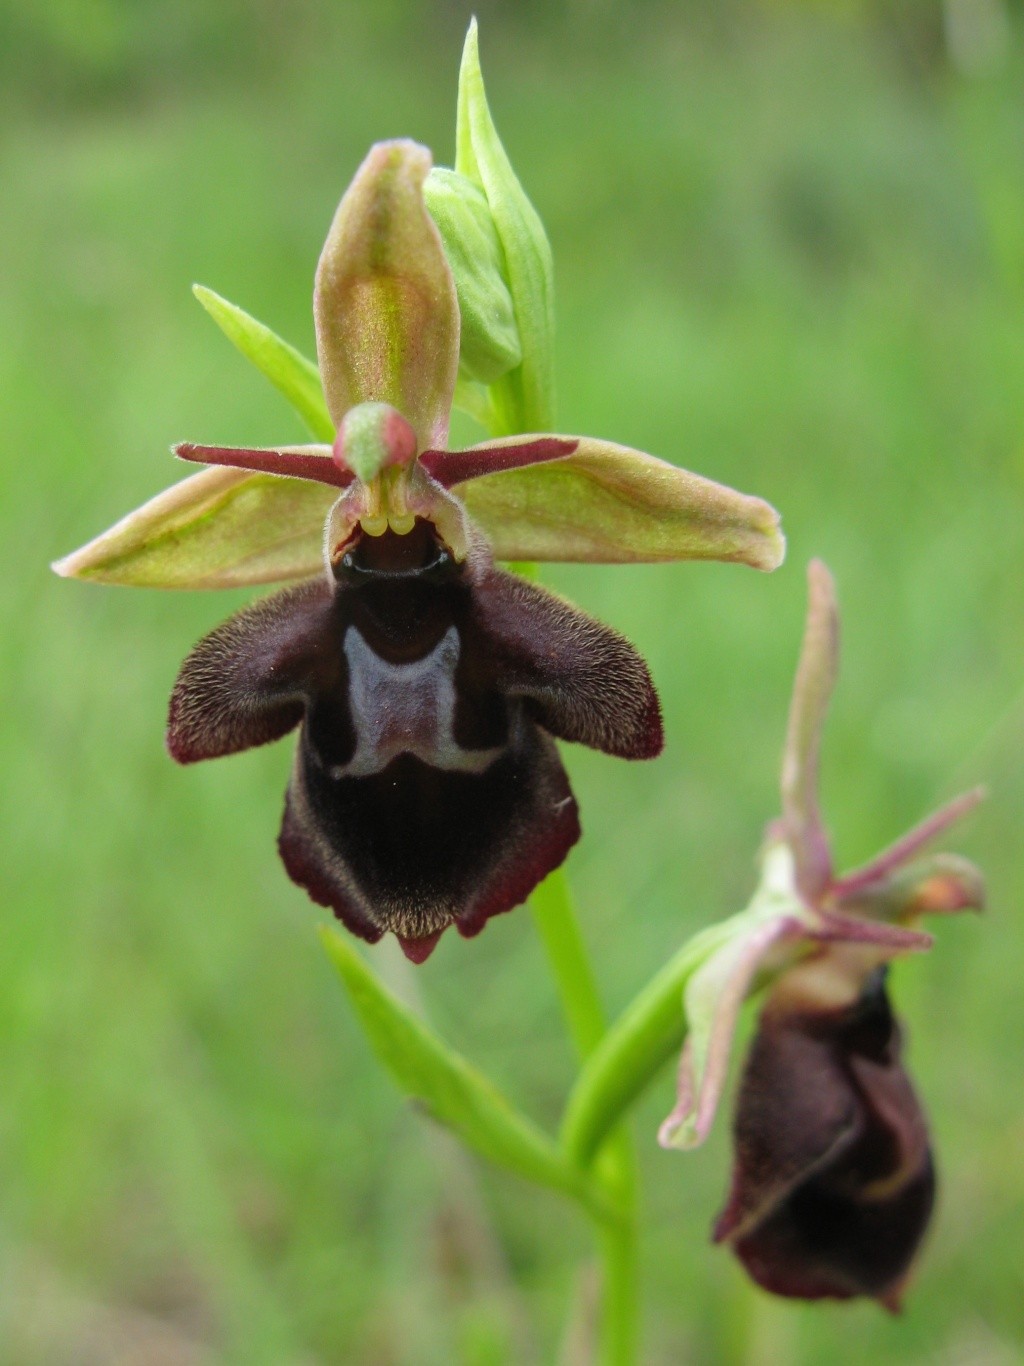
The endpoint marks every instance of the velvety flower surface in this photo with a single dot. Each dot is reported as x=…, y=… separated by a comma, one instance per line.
x=427, y=684
x=427, y=789
x=833, y=1182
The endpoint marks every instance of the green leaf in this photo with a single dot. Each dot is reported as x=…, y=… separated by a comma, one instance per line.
x=489, y=339
x=609, y=504
x=384, y=303
x=525, y=397
x=287, y=369
x=222, y=528
x=453, y=1092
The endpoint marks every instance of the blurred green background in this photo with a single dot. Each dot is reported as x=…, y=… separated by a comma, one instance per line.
x=790, y=251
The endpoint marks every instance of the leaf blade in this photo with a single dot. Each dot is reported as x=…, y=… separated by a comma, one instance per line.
x=289, y=371
x=452, y=1090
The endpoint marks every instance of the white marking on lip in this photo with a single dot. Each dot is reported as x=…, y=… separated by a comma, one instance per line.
x=406, y=709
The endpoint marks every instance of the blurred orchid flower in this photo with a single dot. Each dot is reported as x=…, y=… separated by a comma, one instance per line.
x=428, y=683
x=833, y=1183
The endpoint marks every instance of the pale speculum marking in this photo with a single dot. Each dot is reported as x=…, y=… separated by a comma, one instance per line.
x=406, y=709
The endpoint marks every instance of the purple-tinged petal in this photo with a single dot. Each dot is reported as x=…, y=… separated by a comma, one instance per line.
x=455, y=467
x=582, y=681
x=863, y=880
x=245, y=684
x=608, y=504
x=833, y=1183
x=386, y=313
x=835, y=928
x=713, y=997
x=292, y=462
x=221, y=528
x=815, y=680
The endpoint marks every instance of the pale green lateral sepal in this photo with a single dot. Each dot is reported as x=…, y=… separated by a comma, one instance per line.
x=384, y=303
x=609, y=504
x=221, y=528
x=452, y=1091
x=479, y=156
x=295, y=377
x=489, y=340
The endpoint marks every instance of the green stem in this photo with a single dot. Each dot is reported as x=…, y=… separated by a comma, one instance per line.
x=559, y=930
x=513, y=411
x=645, y=1035
x=620, y=1298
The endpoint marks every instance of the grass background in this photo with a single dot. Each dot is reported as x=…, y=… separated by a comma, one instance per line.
x=790, y=252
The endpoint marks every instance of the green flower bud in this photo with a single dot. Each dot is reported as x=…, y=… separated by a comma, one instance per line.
x=524, y=398
x=489, y=341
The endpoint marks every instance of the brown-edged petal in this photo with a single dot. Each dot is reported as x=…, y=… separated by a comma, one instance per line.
x=386, y=312
x=246, y=682
x=833, y=1183
x=583, y=681
x=424, y=793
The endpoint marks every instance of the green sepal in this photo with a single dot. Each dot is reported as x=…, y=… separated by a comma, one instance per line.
x=525, y=396
x=609, y=504
x=451, y=1090
x=295, y=377
x=489, y=339
x=222, y=528
x=384, y=302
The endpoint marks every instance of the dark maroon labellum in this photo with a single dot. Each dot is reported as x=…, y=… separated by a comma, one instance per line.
x=427, y=790
x=833, y=1183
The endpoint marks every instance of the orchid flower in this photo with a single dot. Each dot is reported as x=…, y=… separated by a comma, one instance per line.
x=833, y=1181
x=427, y=683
